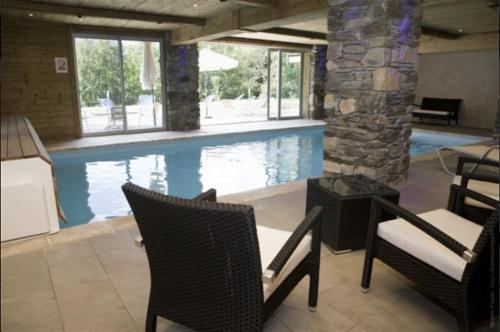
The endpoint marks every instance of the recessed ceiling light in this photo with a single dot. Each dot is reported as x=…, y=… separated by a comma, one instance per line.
x=460, y=30
x=31, y=15
x=195, y=5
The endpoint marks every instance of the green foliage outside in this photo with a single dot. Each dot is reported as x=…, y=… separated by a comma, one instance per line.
x=249, y=79
x=98, y=64
x=245, y=81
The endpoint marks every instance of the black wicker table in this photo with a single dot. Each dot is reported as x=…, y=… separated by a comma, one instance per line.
x=346, y=202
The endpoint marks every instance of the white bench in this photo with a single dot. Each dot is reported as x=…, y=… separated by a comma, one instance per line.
x=29, y=202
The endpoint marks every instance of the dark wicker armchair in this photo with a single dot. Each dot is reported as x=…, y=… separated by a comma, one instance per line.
x=450, y=258
x=207, y=260
x=476, y=179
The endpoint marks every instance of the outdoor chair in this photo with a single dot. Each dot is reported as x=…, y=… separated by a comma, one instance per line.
x=146, y=103
x=487, y=183
x=115, y=112
x=212, y=268
x=451, y=259
x=480, y=151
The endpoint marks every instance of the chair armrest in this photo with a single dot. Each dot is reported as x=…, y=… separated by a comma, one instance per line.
x=416, y=105
x=458, y=194
x=380, y=204
x=478, y=177
x=313, y=218
x=478, y=161
x=209, y=195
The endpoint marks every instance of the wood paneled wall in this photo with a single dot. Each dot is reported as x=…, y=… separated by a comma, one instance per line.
x=29, y=83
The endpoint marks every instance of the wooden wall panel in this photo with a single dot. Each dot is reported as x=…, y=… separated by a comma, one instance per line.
x=29, y=84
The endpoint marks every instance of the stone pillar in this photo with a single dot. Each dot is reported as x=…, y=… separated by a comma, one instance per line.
x=183, y=108
x=318, y=77
x=372, y=56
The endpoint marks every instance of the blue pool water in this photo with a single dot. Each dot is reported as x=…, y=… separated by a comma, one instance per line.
x=89, y=180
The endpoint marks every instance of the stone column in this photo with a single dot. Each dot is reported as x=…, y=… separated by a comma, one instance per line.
x=372, y=56
x=183, y=108
x=318, y=77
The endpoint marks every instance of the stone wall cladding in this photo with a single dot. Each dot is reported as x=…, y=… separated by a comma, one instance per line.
x=183, y=110
x=372, y=59
x=318, y=77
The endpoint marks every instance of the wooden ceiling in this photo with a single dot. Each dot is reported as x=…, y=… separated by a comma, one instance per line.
x=460, y=17
x=469, y=16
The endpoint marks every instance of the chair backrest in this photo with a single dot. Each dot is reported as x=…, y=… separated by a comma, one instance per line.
x=441, y=104
x=204, y=260
x=146, y=100
x=105, y=102
x=485, y=247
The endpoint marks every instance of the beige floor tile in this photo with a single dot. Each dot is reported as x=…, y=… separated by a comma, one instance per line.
x=23, y=246
x=87, y=299
x=324, y=319
x=274, y=325
x=371, y=312
x=123, y=223
x=24, y=275
x=34, y=312
x=79, y=233
x=63, y=253
x=132, y=284
x=357, y=329
x=117, y=251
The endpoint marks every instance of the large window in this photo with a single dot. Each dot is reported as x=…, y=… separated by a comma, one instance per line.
x=248, y=83
x=119, y=84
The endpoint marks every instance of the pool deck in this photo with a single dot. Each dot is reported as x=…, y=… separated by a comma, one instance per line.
x=205, y=131
x=93, y=278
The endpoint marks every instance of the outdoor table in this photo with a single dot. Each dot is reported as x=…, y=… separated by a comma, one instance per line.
x=346, y=202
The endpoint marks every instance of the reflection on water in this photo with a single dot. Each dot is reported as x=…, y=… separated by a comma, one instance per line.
x=90, y=180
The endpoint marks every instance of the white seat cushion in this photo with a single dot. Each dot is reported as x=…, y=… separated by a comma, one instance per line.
x=431, y=112
x=270, y=243
x=486, y=188
x=415, y=242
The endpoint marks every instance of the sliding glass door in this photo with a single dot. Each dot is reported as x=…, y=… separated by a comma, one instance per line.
x=119, y=84
x=285, y=84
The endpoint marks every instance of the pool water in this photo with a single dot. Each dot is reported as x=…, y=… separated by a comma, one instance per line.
x=89, y=180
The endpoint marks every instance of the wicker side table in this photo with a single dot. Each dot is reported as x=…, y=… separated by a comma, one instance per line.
x=346, y=202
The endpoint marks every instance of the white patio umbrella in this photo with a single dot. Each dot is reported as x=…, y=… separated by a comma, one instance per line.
x=213, y=61
x=148, y=74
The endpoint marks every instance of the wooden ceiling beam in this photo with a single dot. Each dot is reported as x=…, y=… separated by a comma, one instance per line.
x=43, y=7
x=253, y=3
x=295, y=33
x=262, y=42
x=288, y=12
x=430, y=31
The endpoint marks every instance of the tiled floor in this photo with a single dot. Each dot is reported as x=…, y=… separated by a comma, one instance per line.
x=101, y=283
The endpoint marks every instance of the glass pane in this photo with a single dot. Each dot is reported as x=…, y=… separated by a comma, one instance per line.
x=291, y=74
x=273, y=84
x=98, y=68
x=232, y=83
x=142, y=80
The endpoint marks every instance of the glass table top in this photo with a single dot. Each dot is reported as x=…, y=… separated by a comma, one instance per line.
x=353, y=185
